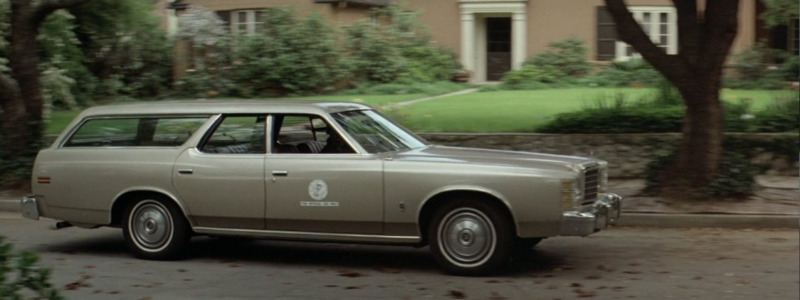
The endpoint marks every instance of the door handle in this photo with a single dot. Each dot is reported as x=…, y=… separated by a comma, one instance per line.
x=280, y=173
x=185, y=171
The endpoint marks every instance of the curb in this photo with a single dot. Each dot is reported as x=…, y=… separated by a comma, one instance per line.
x=707, y=220
x=9, y=204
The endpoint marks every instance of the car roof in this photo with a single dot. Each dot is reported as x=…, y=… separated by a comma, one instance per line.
x=202, y=107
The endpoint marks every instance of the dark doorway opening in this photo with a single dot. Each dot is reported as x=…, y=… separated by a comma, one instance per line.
x=498, y=43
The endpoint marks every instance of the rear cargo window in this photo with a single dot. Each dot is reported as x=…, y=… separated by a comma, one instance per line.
x=135, y=132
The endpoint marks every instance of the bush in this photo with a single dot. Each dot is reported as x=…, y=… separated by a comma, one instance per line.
x=21, y=277
x=736, y=176
x=753, y=71
x=568, y=56
x=781, y=116
x=296, y=56
x=633, y=72
x=209, y=40
x=617, y=120
x=398, y=50
x=431, y=89
x=532, y=75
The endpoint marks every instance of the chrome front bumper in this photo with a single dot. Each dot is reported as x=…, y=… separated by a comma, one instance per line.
x=603, y=213
x=30, y=207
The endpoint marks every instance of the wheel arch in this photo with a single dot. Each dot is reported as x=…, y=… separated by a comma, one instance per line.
x=124, y=198
x=439, y=198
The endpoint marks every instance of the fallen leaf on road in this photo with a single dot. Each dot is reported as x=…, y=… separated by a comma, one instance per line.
x=351, y=274
x=89, y=266
x=331, y=285
x=575, y=285
x=593, y=277
x=388, y=271
x=78, y=283
x=181, y=270
x=552, y=287
x=583, y=294
x=457, y=294
x=632, y=272
x=113, y=292
x=492, y=281
x=697, y=278
x=742, y=281
x=605, y=268
x=352, y=288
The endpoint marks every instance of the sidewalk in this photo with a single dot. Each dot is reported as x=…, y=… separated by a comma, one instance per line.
x=774, y=205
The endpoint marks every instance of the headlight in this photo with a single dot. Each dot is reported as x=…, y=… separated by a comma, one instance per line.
x=570, y=194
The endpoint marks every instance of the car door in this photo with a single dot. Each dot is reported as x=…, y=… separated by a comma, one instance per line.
x=311, y=191
x=222, y=180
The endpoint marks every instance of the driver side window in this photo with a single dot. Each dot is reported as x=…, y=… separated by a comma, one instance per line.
x=306, y=134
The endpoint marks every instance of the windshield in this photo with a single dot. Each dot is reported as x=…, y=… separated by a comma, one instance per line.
x=375, y=133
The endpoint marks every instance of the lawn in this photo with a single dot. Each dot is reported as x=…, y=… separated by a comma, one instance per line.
x=523, y=111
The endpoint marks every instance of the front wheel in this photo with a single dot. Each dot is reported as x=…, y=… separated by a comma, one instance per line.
x=471, y=237
x=155, y=229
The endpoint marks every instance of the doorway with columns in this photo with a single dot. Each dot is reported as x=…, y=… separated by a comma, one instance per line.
x=493, y=37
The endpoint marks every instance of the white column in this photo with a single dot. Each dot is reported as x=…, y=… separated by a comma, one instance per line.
x=468, y=41
x=518, y=40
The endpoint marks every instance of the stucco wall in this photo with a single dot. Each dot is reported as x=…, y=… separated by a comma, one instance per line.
x=627, y=154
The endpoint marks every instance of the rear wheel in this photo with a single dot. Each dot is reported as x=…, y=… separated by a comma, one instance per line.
x=155, y=229
x=471, y=237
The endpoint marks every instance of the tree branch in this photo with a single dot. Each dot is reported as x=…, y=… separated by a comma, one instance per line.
x=721, y=27
x=689, y=34
x=46, y=7
x=631, y=32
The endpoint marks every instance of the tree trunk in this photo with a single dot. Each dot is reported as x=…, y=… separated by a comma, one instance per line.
x=705, y=40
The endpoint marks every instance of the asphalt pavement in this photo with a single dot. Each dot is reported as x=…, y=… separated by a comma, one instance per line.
x=619, y=263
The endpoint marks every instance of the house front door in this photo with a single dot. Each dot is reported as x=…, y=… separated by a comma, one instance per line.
x=498, y=42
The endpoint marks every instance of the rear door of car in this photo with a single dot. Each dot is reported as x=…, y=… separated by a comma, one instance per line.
x=222, y=179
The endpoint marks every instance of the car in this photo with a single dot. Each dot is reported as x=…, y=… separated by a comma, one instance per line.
x=308, y=171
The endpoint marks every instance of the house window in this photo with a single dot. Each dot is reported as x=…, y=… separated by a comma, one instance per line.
x=404, y=23
x=658, y=22
x=246, y=22
x=794, y=36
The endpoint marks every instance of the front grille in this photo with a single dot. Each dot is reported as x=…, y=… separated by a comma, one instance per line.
x=591, y=184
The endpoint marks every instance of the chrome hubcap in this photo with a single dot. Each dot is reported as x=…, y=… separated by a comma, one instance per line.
x=467, y=237
x=151, y=225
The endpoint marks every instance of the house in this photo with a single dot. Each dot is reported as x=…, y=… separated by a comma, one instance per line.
x=495, y=36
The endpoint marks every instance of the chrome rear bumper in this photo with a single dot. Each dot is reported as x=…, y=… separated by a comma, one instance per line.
x=30, y=207
x=603, y=213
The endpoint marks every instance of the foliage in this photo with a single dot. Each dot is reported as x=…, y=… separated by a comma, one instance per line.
x=630, y=73
x=209, y=42
x=124, y=46
x=617, y=119
x=568, y=56
x=735, y=179
x=298, y=56
x=396, y=49
x=431, y=89
x=531, y=77
x=754, y=72
x=779, y=12
x=781, y=116
x=20, y=277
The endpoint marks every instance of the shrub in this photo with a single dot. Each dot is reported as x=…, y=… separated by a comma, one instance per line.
x=296, y=56
x=25, y=278
x=781, y=116
x=753, y=72
x=735, y=179
x=617, y=120
x=436, y=88
x=633, y=72
x=397, y=50
x=532, y=75
x=209, y=40
x=568, y=56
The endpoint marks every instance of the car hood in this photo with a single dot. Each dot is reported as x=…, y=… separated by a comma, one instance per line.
x=516, y=159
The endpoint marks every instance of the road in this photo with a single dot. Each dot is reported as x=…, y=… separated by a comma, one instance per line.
x=621, y=263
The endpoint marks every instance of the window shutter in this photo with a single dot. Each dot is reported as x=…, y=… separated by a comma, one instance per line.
x=606, y=35
x=225, y=15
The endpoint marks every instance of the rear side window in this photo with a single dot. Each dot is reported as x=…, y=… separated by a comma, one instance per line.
x=135, y=132
x=237, y=135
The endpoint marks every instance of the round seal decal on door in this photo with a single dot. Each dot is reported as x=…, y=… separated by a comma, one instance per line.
x=318, y=189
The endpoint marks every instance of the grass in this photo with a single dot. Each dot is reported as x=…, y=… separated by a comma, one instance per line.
x=501, y=111
x=524, y=111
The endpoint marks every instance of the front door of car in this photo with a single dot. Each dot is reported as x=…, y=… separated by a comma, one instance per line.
x=222, y=180
x=313, y=187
